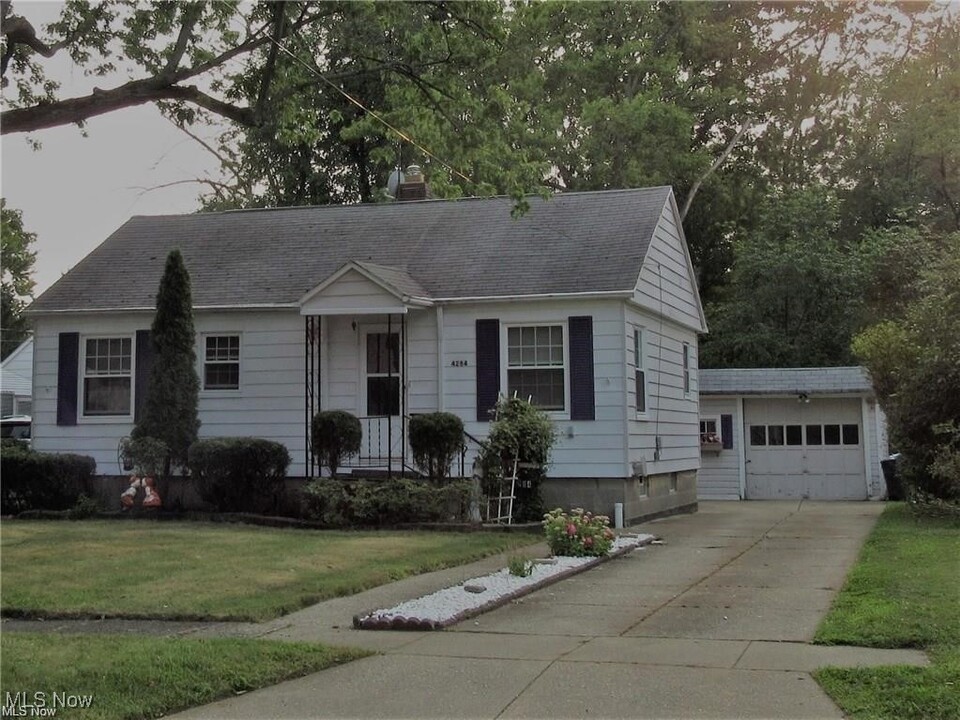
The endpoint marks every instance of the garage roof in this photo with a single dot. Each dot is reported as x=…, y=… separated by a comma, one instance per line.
x=785, y=381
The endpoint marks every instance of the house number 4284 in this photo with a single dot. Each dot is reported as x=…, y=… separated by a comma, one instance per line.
x=458, y=363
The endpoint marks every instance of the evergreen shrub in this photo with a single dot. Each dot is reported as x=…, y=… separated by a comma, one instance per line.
x=239, y=474
x=336, y=436
x=436, y=440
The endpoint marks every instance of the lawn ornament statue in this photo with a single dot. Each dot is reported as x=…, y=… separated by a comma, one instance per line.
x=151, y=498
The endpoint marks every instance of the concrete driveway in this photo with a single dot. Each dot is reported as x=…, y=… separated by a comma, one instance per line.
x=714, y=623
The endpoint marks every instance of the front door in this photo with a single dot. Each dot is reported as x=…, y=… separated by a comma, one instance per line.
x=380, y=401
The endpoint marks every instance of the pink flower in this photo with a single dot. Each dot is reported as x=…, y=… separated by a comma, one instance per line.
x=571, y=529
x=588, y=541
x=608, y=533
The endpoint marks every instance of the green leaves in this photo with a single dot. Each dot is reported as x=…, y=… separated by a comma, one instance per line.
x=913, y=362
x=16, y=269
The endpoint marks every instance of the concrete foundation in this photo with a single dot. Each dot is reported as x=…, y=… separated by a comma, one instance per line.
x=643, y=498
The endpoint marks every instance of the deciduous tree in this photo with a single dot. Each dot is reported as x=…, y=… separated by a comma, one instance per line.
x=913, y=360
x=16, y=266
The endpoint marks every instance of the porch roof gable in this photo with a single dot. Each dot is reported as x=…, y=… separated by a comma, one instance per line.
x=358, y=288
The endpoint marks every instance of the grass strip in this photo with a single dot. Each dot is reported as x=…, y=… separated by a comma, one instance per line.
x=904, y=592
x=130, y=677
x=195, y=571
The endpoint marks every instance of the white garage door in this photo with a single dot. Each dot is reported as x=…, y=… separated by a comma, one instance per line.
x=804, y=450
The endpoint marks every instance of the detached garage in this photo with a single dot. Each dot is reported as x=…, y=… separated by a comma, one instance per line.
x=774, y=434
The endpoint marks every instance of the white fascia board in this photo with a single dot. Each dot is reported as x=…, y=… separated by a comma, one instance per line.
x=398, y=310
x=196, y=308
x=593, y=294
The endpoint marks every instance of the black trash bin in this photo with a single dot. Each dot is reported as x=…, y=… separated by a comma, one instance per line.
x=892, y=477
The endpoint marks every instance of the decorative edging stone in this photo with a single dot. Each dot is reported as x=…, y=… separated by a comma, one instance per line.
x=382, y=620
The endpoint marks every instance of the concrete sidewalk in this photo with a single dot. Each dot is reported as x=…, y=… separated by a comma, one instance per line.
x=715, y=623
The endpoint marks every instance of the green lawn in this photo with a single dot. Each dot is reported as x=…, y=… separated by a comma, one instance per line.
x=208, y=571
x=145, y=677
x=903, y=592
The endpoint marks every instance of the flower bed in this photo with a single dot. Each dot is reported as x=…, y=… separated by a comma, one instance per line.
x=478, y=595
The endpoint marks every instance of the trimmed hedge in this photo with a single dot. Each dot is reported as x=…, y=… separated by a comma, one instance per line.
x=38, y=481
x=336, y=435
x=239, y=474
x=345, y=503
x=436, y=440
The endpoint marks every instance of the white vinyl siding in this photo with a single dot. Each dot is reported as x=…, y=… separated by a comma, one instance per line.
x=665, y=284
x=351, y=291
x=270, y=405
x=719, y=477
x=672, y=414
x=584, y=448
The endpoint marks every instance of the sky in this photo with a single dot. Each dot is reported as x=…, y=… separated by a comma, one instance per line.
x=75, y=191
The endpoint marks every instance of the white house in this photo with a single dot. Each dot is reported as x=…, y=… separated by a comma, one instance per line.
x=815, y=433
x=16, y=381
x=587, y=303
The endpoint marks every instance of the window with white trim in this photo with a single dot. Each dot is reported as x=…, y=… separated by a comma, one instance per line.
x=710, y=431
x=639, y=372
x=107, y=376
x=686, y=368
x=536, y=367
x=221, y=362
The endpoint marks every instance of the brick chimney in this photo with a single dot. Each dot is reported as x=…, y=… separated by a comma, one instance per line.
x=414, y=186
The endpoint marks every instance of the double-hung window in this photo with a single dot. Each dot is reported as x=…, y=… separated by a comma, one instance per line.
x=639, y=372
x=107, y=376
x=221, y=362
x=535, y=365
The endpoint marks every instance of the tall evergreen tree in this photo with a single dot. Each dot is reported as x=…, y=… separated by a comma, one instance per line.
x=170, y=409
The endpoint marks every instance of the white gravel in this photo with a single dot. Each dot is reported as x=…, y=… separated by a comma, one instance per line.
x=452, y=604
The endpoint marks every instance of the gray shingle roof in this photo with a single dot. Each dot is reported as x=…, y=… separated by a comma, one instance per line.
x=573, y=242
x=785, y=381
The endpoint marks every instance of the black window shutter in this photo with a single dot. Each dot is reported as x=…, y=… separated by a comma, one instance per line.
x=726, y=431
x=68, y=362
x=582, y=402
x=488, y=367
x=144, y=364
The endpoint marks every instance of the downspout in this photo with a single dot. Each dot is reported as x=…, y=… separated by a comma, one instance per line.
x=741, y=439
x=441, y=404
x=627, y=469
x=404, y=375
x=867, y=459
x=389, y=383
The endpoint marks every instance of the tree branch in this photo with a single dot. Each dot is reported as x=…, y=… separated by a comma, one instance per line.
x=190, y=15
x=713, y=167
x=100, y=102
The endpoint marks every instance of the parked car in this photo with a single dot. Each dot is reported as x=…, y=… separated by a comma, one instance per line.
x=16, y=427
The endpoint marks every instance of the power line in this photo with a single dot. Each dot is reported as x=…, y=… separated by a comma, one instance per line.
x=348, y=96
